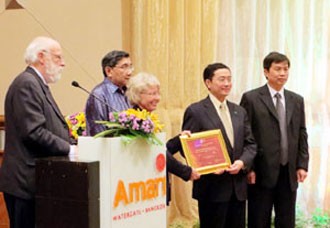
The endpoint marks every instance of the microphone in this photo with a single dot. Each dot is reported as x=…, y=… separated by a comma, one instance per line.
x=76, y=84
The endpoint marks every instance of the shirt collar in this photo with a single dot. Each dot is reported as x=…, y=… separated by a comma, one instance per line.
x=113, y=88
x=39, y=75
x=216, y=102
x=273, y=91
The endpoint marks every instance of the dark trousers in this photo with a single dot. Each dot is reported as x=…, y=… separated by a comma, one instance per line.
x=261, y=201
x=222, y=214
x=21, y=211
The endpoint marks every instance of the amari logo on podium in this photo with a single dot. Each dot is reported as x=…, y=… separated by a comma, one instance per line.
x=136, y=192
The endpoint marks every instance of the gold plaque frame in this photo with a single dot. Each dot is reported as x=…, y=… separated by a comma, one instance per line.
x=206, y=151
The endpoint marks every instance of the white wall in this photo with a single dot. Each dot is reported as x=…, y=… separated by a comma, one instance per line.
x=86, y=29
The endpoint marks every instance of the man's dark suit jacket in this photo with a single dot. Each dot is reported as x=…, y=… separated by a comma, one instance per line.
x=202, y=116
x=34, y=128
x=265, y=127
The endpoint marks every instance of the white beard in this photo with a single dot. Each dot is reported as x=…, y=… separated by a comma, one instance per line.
x=54, y=72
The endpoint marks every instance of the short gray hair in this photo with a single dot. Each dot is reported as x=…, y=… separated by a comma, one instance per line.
x=38, y=44
x=137, y=84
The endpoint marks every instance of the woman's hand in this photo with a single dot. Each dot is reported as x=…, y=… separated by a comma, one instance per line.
x=194, y=175
x=186, y=132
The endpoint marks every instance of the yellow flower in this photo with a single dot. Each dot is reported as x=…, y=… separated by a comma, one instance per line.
x=132, y=124
x=74, y=134
x=138, y=113
x=77, y=124
x=144, y=114
x=158, y=126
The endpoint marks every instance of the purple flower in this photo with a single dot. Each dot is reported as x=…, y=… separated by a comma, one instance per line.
x=135, y=124
x=112, y=117
x=147, y=126
x=73, y=121
x=122, y=118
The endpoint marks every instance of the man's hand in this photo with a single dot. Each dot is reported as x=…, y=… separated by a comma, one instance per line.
x=73, y=151
x=251, y=177
x=301, y=175
x=235, y=167
x=219, y=171
x=194, y=175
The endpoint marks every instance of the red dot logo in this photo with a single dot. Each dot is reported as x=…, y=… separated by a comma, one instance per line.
x=160, y=162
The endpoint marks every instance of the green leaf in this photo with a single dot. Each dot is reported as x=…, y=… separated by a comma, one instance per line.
x=134, y=132
x=127, y=139
x=127, y=134
x=106, y=133
x=156, y=140
x=110, y=124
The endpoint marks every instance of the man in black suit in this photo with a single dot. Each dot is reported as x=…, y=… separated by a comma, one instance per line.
x=278, y=124
x=35, y=128
x=221, y=196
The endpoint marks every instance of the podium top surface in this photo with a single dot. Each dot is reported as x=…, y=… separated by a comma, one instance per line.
x=63, y=159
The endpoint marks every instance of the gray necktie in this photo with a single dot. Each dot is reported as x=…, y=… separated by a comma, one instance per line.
x=284, y=137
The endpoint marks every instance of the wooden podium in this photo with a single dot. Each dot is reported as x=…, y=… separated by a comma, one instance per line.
x=132, y=181
x=67, y=193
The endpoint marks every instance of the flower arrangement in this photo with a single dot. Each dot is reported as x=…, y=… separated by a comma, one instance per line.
x=77, y=125
x=132, y=124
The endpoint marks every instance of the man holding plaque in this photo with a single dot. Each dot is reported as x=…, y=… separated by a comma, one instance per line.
x=222, y=195
x=277, y=117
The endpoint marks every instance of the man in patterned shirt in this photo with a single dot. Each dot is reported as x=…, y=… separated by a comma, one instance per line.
x=117, y=70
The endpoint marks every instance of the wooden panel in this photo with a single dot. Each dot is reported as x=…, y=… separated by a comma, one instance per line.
x=2, y=122
x=68, y=189
x=2, y=128
x=4, y=220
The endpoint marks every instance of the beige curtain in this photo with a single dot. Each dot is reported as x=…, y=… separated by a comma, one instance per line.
x=175, y=40
x=248, y=31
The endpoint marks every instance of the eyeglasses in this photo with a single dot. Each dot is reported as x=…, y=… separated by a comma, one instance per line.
x=57, y=57
x=125, y=67
x=154, y=94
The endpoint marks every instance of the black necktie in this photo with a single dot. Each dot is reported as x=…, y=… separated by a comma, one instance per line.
x=284, y=137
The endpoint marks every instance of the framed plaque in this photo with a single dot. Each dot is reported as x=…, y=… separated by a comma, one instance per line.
x=205, y=151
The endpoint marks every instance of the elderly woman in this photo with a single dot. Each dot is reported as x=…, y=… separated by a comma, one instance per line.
x=143, y=91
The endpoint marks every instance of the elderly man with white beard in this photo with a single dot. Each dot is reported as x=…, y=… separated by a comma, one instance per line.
x=35, y=128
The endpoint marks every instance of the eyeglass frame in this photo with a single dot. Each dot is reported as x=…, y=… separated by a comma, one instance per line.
x=58, y=57
x=125, y=67
x=154, y=94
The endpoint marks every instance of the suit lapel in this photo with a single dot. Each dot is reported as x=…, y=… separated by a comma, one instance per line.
x=48, y=95
x=267, y=100
x=234, y=119
x=289, y=106
x=51, y=100
x=212, y=114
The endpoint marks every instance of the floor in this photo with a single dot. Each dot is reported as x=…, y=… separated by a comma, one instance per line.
x=4, y=221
